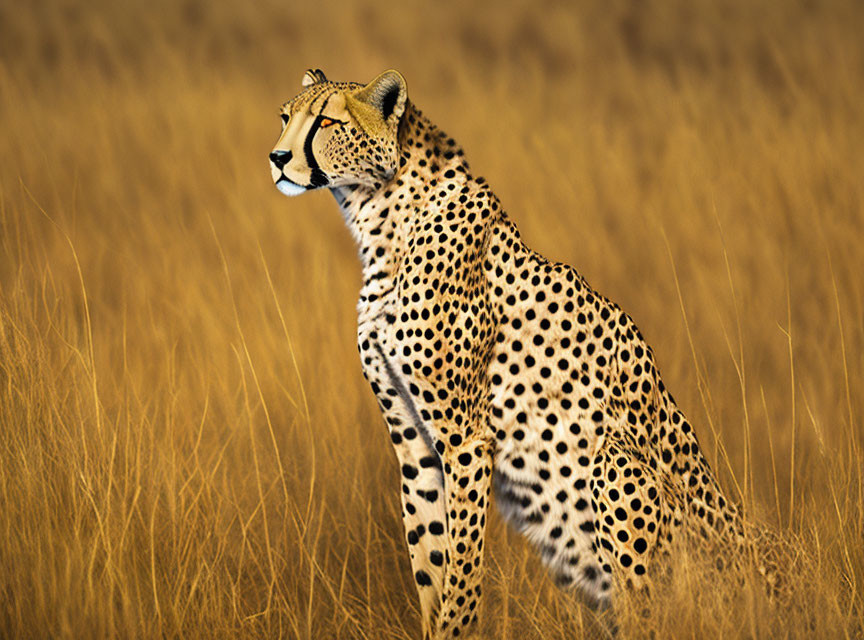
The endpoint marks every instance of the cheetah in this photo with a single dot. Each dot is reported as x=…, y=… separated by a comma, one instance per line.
x=493, y=367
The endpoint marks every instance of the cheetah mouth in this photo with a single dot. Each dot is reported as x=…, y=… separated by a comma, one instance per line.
x=289, y=188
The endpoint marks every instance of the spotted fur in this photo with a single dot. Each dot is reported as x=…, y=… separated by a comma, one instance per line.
x=494, y=366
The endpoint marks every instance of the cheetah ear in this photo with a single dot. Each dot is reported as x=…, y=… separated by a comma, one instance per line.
x=383, y=99
x=313, y=76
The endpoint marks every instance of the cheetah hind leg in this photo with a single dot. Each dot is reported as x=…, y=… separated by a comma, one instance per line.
x=631, y=513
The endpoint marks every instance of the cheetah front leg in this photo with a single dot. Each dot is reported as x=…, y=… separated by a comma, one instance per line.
x=422, y=482
x=467, y=480
x=423, y=496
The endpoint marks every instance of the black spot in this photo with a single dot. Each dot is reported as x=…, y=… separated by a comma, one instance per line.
x=430, y=461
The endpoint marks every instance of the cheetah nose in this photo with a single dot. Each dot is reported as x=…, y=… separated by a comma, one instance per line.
x=280, y=158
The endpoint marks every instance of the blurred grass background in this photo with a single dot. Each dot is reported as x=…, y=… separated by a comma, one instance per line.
x=187, y=446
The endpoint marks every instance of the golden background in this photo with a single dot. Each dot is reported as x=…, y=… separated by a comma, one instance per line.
x=187, y=446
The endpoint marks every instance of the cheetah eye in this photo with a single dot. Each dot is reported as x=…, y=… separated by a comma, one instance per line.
x=328, y=122
x=285, y=118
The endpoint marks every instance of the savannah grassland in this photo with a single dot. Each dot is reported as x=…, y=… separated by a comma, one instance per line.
x=187, y=446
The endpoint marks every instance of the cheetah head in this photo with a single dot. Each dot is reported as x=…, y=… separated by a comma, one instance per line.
x=339, y=133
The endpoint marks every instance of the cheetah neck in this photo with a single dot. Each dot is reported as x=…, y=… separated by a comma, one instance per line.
x=380, y=217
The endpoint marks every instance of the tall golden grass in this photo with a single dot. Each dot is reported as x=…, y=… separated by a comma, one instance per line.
x=187, y=447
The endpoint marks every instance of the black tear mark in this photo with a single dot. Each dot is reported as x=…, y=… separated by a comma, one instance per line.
x=317, y=178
